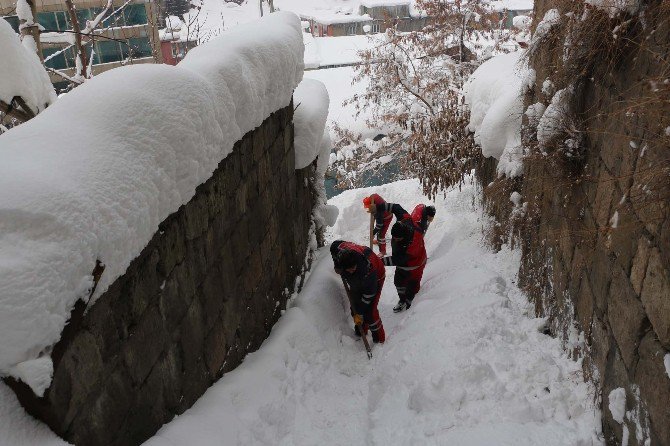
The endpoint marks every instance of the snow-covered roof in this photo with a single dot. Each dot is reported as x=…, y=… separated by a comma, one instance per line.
x=327, y=51
x=67, y=201
x=376, y=3
x=215, y=14
x=513, y=5
x=329, y=18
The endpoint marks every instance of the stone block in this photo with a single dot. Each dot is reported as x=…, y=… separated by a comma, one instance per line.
x=146, y=343
x=241, y=198
x=192, y=334
x=656, y=296
x=599, y=279
x=172, y=247
x=639, y=268
x=584, y=303
x=654, y=387
x=79, y=372
x=216, y=349
x=106, y=412
x=626, y=318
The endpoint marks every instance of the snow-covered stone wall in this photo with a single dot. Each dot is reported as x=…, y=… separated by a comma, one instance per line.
x=175, y=191
x=595, y=233
x=203, y=293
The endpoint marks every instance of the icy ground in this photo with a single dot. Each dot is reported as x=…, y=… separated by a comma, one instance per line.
x=466, y=365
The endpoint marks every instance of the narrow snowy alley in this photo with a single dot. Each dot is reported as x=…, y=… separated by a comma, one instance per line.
x=466, y=365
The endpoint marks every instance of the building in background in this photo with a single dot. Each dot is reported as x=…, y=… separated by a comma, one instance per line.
x=176, y=40
x=372, y=17
x=127, y=35
x=508, y=9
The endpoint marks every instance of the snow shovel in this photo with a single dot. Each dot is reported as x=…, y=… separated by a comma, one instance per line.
x=372, y=224
x=360, y=328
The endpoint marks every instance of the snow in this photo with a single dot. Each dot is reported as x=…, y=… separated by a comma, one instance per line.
x=551, y=18
x=614, y=7
x=339, y=86
x=216, y=15
x=311, y=111
x=494, y=94
x=37, y=373
x=535, y=112
x=666, y=362
x=553, y=119
x=513, y=5
x=548, y=88
x=17, y=428
x=343, y=50
x=465, y=366
x=83, y=182
x=522, y=22
x=24, y=12
x=617, y=404
x=376, y=3
x=22, y=73
x=614, y=221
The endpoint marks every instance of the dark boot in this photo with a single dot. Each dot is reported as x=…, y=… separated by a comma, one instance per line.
x=402, y=305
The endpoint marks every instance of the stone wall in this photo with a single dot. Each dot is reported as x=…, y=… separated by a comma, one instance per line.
x=204, y=292
x=596, y=237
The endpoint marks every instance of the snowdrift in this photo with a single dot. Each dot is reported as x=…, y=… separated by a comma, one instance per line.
x=92, y=176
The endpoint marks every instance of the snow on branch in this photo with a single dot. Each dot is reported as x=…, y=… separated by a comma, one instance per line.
x=22, y=77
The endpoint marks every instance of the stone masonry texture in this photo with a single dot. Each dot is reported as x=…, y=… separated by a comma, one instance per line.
x=587, y=274
x=203, y=293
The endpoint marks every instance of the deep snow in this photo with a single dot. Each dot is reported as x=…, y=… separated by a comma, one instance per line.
x=466, y=365
x=83, y=182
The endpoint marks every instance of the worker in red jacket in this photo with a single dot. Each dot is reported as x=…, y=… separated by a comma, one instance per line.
x=408, y=251
x=382, y=220
x=423, y=215
x=363, y=273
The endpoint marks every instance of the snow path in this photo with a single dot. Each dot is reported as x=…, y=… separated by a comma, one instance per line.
x=465, y=366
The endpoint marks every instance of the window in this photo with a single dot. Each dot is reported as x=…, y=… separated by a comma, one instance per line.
x=109, y=51
x=351, y=29
x=135, y=14
x=54, y=21
x=13, y=21
x=57, y=62
x=141, y=47
x=376, y=27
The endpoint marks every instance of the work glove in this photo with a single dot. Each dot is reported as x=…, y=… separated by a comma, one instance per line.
x=358, y=319
x=430, y=211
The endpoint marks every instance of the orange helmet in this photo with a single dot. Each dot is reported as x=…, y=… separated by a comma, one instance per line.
x=367, y=201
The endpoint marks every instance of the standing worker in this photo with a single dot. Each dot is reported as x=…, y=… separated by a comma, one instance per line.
x=382, y=220
x=363, y=273
x=408, y=250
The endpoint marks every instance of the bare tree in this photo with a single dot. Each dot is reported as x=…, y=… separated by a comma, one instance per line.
x=414, y=82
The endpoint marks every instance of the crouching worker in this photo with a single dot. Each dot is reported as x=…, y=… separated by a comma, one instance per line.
x=422, y=216
x=363, y=273
x=408, y=253
x=382, y=220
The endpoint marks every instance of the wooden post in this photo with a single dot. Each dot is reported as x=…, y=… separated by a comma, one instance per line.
x=80, y=52
x=30, y=27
